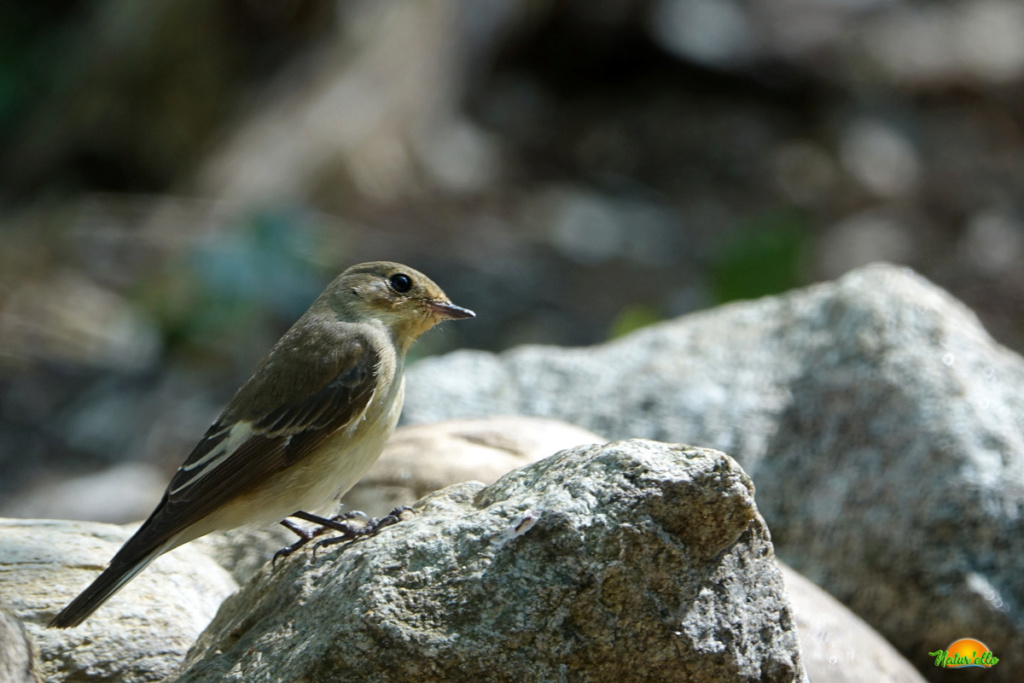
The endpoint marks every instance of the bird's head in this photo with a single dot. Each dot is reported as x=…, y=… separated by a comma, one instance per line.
x=405, y=300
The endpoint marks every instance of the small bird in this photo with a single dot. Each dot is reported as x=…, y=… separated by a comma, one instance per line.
x=303, y=429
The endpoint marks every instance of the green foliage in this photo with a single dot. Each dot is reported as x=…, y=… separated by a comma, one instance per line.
x=633, y=318
x=763, y=256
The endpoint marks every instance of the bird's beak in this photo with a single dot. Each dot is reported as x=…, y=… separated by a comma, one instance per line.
x=449, y=311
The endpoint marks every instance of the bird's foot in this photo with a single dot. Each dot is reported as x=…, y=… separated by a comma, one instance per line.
x=337, y=523
x=369, y=528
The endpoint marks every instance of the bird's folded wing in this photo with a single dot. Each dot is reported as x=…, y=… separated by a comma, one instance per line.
x=244, y=447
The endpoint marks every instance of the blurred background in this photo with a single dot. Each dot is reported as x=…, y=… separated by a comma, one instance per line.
x=180, y=178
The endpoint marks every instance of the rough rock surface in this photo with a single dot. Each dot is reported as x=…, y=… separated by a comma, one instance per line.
x=631, y=561
x=420, y=459
x=141, y=634
x=884, y=429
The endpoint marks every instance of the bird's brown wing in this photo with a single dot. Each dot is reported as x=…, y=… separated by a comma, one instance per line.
x=267, y=427
x=245, y=448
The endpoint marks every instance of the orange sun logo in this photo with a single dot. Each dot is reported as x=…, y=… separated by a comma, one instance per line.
x=964, y=653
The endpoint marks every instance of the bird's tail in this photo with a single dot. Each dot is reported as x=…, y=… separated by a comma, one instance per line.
x=121, y=571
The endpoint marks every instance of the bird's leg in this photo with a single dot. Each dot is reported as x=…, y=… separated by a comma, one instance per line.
x=304, y=538
x=297, y=530
x=370, y=528
x=336, y=523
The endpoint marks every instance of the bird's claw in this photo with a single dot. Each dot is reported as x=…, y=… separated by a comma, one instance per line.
x=370, y=528
x=338, y=523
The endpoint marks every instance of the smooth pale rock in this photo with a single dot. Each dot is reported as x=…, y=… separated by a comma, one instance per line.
x=423, y=458
x=18, y=658
x=836, y=646
x=883, y=426
x=630, y=561
x=141, y=634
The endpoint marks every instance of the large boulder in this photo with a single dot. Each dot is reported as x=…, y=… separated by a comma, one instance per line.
x=883, y=426
x=630, y=561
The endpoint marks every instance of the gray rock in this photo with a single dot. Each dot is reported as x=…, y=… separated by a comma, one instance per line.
x=883, y=426
x=630, y=561
x=140, y=635
x=18, y=658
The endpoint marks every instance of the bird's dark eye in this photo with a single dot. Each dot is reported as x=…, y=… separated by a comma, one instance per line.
x=400, y=282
